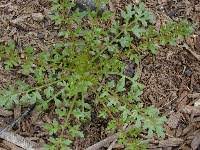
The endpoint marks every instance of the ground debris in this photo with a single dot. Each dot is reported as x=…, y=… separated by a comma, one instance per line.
x=191, y=110
x=170, y=142
x=174, y=120
x=37, y=16
x=5, y=113
x=196, y=142
x=28, y=24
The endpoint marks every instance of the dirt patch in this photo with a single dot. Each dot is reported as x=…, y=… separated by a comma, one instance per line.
x=27, y=23
x=172, y=76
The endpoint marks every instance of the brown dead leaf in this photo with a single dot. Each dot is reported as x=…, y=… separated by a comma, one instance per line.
x=171, y=142
x=169, y=131
x=190, y=42
x=196, y=142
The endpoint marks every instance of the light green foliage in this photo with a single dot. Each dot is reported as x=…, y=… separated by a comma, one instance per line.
x=82, y=64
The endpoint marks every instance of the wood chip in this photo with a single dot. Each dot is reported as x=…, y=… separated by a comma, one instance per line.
x=194, y=95
x=19, y=19
x=196, y=142
x=197, y=8
x=197, y=41
x=17, y=113
x=171, y=142
x=187, y=130
x=174, y=120
x=191, y=109
x=197, y=103
x=182, y=100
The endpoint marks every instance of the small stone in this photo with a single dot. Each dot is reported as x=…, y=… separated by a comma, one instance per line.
x=129, y=70
x=40, y=35
x=89, y=4
x=37, y=16
x=188, y=72
x=22, y=56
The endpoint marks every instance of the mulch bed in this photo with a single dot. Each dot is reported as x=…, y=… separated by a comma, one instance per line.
x=171, y=78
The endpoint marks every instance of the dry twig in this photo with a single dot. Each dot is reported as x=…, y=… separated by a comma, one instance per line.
x=112, y=145
x=18, y=140
x=108, y=140
x=104, y=142
x=187, y=47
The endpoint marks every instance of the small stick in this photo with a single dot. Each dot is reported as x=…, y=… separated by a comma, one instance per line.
x=109, y=139
x=15, y=138
x=112, y=145
x=104, y=142
x=191, y=51
x=18, y=119
x=18, y=140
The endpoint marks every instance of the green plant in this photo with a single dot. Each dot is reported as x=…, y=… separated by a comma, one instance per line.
x=82, y=63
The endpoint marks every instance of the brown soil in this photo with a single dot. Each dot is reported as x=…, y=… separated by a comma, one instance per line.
x=171, y=78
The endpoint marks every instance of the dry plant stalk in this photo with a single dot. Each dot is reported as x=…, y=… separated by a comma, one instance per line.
x=18, y=140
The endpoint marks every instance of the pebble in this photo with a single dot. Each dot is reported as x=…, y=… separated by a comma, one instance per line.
x=188, y=72
x=40, y=35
